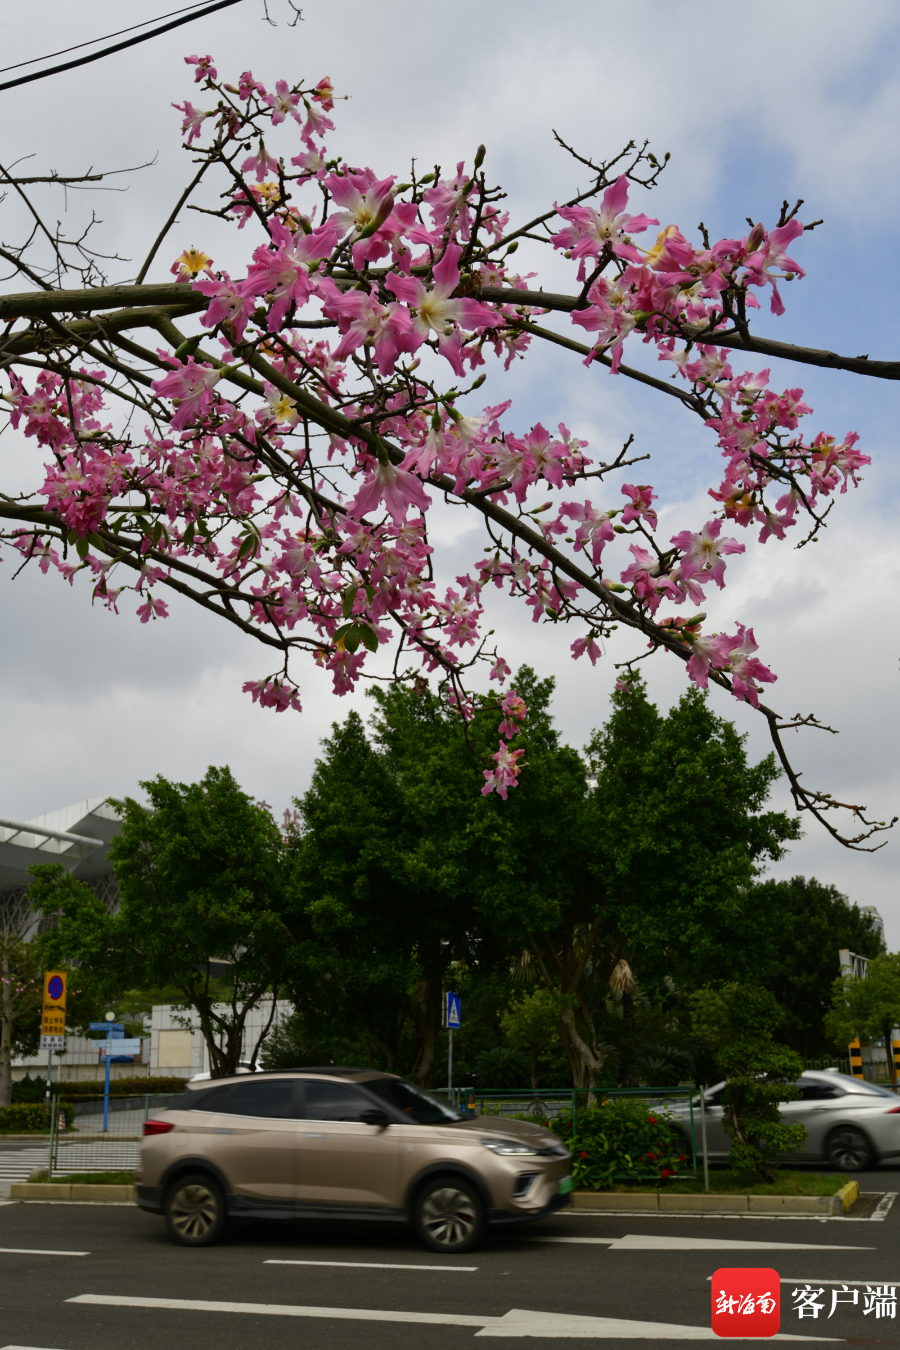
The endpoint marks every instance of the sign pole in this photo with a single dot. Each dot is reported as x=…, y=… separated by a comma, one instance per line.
x=450, y=1066
x=53, y=1021
x=110, y=1018
x=453, y=1022
x=49, y=1074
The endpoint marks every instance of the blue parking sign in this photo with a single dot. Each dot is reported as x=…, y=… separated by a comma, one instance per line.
x=453, y=1011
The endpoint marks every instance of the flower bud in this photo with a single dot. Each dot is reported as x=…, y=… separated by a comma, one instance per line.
x=479, y=156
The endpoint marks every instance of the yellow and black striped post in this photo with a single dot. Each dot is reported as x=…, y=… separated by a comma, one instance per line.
x=856, y=1065
x=895, y=1045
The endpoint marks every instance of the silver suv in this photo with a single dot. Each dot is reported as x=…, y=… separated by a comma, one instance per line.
x=351, y=1143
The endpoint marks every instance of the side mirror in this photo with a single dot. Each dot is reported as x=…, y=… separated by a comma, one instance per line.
x=373, y=1115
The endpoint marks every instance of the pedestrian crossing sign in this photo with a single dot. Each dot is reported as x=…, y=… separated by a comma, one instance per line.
x=453, y=1012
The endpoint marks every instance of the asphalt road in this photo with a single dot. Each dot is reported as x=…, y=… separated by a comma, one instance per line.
x=376, y=1288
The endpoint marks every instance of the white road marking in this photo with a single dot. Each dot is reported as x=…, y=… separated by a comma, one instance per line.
x=653, y=1242
x=40, y=1251
x=787, y=1279
x=367, y=1265
x=882, y=1209
x=24, y=1347
x=517, y=1322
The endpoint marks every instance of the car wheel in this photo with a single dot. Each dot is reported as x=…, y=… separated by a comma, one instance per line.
x=849, y=1150
x=448, y=1215
x=195, y=1211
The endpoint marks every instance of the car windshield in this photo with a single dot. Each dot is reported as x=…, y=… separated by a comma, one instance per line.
x=423, y=1107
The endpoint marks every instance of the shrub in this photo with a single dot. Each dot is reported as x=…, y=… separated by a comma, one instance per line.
x=126, y=1087
x=622, y=1140
x=31, y=1117
x=29, y=1089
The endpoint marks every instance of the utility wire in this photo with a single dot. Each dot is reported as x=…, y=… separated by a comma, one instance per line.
x=118, y=46
x=48, y=56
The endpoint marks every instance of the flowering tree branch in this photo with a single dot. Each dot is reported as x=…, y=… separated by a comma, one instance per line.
x=284, y=482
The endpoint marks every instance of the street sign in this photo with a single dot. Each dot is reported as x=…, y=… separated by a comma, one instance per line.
x=53, y=1015
x=111, y=1027
x=53, y=1042
x=453, y=1012
x=120, y=1047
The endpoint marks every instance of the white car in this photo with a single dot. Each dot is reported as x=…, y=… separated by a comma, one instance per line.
x=244, y=1066
x=851, y=1124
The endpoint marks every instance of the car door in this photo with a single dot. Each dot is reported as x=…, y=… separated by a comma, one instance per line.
x=814, y=1109
x=253, y=1139
x=342, y=1160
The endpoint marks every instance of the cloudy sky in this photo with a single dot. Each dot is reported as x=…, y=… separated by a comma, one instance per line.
x=783, y=101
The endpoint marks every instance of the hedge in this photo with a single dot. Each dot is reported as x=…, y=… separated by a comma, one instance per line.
x=622, y=1140
x=31, y=1117
x=125, y=1087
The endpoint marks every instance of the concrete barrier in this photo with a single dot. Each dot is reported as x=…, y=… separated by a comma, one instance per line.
x=660, y=1202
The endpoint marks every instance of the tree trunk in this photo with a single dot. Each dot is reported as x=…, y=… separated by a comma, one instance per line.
x=426, y=1015
x=6, y=1027
x=587, y=1065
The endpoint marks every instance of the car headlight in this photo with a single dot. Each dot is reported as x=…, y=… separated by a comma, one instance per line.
x=507, y=1146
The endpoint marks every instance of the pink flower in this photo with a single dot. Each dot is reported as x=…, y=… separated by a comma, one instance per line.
x=228, y=304
x=708, y=652
x=282, y=103
x=190, y=387
x=152, y=609
x=505, y=774
x=434, y=311
x=273, y=694
x=365, y=204
x=204, y=66
x=398, y=489
x=594, y=527
x=746, y=670
x=590, y=231
x=262, y=163
x=387, y=329
x=639, y=505
x=703, y=552
x=514, y=709
x=586, y=646
x=193, y=120
x=283, y=272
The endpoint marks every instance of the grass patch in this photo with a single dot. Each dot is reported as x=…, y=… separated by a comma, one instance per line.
x=725, y=1183
x=91, y=1179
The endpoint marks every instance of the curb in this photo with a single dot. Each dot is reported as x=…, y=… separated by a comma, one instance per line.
x=59, y=1190
x=23, y=1138
x=658, y=1203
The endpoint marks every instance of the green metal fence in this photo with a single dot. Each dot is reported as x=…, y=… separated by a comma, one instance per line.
x=81, y=1144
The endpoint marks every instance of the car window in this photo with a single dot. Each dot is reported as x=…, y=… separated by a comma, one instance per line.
x=422, y=1107
x=273, y=1098
x=811, y=1090
x=332, y=1101
x=212, y=1099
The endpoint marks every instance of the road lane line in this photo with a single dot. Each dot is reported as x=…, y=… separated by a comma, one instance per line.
x=39, y=1251
x=652, y=1242
x=517, y=1322
x=367, y=1265
x=882, y=1209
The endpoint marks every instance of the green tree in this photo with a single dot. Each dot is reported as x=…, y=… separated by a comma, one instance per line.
x=807, y=923
x=681, y=833
x=530, y=1023
x=203, y=881
x=738, y=1021
x=868, y=1006
x=21, y=988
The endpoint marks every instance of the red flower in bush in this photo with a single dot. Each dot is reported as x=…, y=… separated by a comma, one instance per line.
x=651, y=1120
x=682, y=1157
x=652, y=1156
x=582, y=1154
x=666, y=1172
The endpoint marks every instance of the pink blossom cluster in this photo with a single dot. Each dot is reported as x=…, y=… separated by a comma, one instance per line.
x=294, y=473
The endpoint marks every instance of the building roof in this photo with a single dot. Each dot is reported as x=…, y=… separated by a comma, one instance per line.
x=77, y=836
